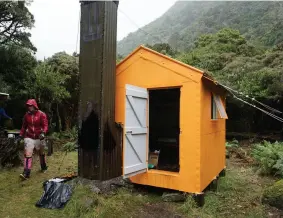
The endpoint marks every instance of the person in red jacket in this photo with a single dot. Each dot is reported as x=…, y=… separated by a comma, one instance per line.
x=34, y=128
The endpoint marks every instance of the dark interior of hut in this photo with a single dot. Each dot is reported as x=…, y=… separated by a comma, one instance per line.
x=164, y=129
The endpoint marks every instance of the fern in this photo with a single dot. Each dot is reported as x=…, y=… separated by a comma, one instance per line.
x=70, y=146
x=70, y=134
x=231, y=144
x=269, y=157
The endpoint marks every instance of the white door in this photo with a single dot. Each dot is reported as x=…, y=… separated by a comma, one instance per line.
x=135, y=140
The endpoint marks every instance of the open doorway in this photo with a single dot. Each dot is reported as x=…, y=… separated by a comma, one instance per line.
x=164, y=129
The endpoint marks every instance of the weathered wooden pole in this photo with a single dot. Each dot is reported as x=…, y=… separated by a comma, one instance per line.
x=99, y=143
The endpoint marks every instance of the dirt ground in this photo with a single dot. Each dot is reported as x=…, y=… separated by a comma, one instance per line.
x=157, y=210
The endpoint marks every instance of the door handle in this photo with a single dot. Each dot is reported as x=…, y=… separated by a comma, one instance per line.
x=129, y=132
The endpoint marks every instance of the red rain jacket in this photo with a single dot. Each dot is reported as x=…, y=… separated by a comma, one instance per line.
x=34, y=123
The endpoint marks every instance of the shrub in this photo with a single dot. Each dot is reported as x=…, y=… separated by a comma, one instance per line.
x=273, y=195
x=66, y=140
x=269, y=157
x=69, y=146
x=71, y=134
x=232, y=144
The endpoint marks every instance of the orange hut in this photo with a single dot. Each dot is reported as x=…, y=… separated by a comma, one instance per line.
x=173, y=117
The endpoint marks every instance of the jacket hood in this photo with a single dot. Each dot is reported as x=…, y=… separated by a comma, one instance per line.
x=32, y=102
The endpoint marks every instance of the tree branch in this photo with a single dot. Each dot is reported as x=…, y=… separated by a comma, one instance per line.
x=15, y=17
x=10, y=36
x=8, y=28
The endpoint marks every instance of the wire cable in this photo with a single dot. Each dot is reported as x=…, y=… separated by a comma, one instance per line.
x=252, y=98
x=139, y=28
x=254, y=106
x=158, y=39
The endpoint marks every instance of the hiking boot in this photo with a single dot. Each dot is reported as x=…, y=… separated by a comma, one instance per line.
x=43, y=165
x=23, y=176
x=44, y=169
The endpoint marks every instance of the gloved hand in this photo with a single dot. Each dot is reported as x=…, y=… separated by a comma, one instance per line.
x=19, y=138
x=42, y=136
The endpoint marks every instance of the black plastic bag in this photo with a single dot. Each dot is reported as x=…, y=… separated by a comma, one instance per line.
x=55, y=195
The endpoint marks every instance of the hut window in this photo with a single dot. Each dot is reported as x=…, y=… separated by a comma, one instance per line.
x=213, y=108
x=217, y=106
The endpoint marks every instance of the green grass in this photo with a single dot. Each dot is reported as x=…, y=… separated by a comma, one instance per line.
x=17, y=198
x=238, y=196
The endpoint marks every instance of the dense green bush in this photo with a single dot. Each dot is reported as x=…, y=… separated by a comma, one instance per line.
x=232, y=144
x=269, y=158
x=273, y=195
x=67, y=139
x=70, y=135
x=70, y=146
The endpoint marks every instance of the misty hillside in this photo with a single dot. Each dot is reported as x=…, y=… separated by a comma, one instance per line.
x=260, y=22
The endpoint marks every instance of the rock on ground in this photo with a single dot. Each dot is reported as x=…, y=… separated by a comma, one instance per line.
x=104, y=187
x=173, y=197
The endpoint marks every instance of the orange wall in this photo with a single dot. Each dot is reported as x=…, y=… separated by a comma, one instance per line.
x=212, y=138
x=151, y=71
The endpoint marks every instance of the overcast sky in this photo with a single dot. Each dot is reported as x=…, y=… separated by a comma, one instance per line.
x=56, y=22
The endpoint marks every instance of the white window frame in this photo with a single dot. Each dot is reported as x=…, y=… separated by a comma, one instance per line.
x=218, y=108
x=213, y=108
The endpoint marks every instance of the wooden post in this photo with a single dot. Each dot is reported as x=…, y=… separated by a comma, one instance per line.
x=199, y=199
x=99, y=144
